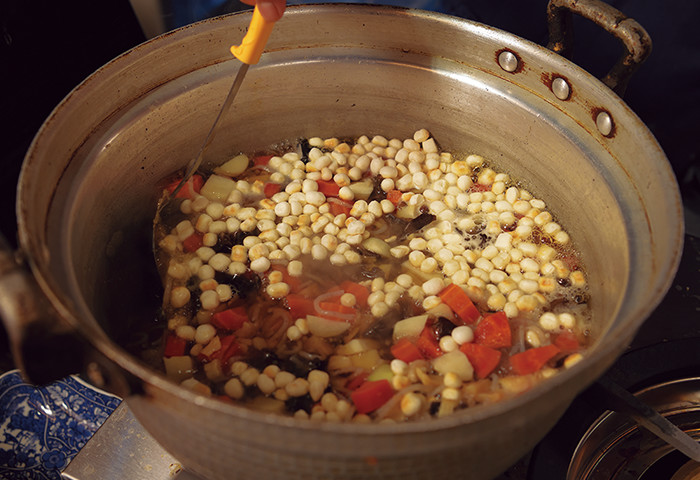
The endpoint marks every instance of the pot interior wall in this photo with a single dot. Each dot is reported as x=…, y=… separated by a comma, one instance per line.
x=111, y=206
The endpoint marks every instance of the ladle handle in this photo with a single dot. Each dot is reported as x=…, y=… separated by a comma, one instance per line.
x=254, y=41
x=634, y=38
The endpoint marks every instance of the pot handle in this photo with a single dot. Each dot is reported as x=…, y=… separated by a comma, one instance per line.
x=634, y=38
x=34, y=329
x=44, y=346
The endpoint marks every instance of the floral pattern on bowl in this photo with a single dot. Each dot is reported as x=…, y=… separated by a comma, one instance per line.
x=43, y=428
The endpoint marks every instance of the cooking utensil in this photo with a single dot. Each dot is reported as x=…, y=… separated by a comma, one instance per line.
x=624, y=402
x=88, y=188
x=248, y=52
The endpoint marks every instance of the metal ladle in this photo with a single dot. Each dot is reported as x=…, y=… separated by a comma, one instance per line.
x=249, y=53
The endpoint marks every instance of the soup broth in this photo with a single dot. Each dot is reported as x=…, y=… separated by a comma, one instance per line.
x=374, y=280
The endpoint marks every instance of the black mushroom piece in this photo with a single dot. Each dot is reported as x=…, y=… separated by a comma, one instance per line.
x=303, y=149
x=378, y=192
x=417, y=223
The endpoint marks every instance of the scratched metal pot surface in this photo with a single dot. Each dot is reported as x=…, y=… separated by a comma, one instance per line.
x=88, y=194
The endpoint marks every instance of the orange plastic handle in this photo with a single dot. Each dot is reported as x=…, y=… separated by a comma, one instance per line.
x=253, y=43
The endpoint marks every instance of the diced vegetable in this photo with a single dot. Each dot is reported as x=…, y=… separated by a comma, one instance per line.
x=174, y=346
x=217, y=188
x=483, y=359
x=267, y=405
x=368, y=360
x=357, y=380
x=477, y=187
x=493, y=331
x=533, y=359
x=378, y=246
x=188, y=190
x=230, y=319
x=428, y=344
x=567, y=342
x=455, y=362
x=360, y=292
x=418, y=276
x=444, y=311
x=233, y=167
x=229, y=348
x=328, y=187
x=271, y=188
x=196, y=386
x=394, y=196
x=178, y=368
x=371, y=395
x=406, y=350
x=211, y=350
x=300, y=306
x=408, y=211
x=357, y=345
x=362, y=190
x=337, y=308
x=338, y=207
x=262, y=160
x=382, y=372
x=193, y=242
x=324, y=327
x=214, y=371
x=460, y=303
x=410, y=327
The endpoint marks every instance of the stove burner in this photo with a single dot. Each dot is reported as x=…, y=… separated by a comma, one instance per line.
x=644, y=369
x=615, y=447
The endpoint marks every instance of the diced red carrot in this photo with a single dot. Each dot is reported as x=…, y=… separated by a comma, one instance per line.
x=271, y=188
x=174, y=346
x=567, y=342
x=477, y=187
x=428, y=344
x=406, y=350
x=483, y=359
x=394, y=196
x=188, y=190
x=533, y=359
x=193, y=242
x=338, y=207
x=262, y=159
x=356, y=381
x=493, y=331
x=336, y=307
x=230, y=319
x=360, y=292
x=459, y=302
x=229, y=347
x=372, y=395
x=328, y=187
x=300, y=306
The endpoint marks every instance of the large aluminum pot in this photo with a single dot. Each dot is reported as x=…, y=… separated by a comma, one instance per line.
x=88, y=192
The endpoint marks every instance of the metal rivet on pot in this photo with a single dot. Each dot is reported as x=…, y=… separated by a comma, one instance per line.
x=508, y=61
x=561, y=88
x=604, y=123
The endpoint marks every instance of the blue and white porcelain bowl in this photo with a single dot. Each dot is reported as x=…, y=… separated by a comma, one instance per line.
x=43, y=428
